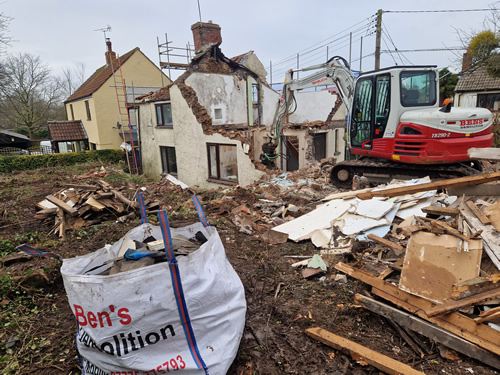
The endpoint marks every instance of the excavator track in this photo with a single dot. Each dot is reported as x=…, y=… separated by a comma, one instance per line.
x=381, y=171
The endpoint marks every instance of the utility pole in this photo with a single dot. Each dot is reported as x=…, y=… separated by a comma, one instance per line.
x=377, y=39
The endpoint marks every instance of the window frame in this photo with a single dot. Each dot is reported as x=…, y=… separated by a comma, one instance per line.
x=483, y=97
x=87, y=108
x=72, y=112
x=217, y=162
x=160, y=123
x=166, y=169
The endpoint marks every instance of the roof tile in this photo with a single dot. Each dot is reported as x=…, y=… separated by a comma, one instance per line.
x=61, y=131
x=100, y=76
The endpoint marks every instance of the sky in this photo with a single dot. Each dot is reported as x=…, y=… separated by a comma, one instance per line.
x=66, y=33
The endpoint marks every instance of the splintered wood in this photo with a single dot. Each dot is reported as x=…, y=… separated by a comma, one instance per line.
x=85, y=205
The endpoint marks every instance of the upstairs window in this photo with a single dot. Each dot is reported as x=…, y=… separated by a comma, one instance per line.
x=87, y=107
x=164, y=115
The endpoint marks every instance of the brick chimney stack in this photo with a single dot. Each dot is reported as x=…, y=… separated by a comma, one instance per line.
x=205, y=34
x=110, y=55
x=466, y=61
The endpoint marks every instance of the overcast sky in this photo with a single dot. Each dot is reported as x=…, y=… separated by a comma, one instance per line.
x=62, y=32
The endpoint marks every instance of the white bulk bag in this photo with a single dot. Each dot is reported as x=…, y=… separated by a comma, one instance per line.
x=133, y=323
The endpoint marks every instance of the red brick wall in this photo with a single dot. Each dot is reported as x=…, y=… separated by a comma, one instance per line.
x=204, y=34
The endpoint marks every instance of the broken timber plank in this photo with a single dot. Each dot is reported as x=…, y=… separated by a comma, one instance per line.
x=70, y=210
x=468, y=180
x=462, y=326
x=450, y=230
x=487, y=153
x=479, y=214
x=441, y=211
x=83, y=187
x=473, y=286
x=489, y=235
x=429, y=330
x=385, y=242
x=451, y=306
x=359, y=352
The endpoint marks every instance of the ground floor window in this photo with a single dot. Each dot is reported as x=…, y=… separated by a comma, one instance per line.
x=489, y=101
x=168, y=159
x=93, y=146
x=222, y=162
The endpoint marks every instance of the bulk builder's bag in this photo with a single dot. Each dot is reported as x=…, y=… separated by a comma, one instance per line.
x=185, y=315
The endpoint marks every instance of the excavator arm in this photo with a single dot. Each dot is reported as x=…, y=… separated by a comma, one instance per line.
x=335, y=71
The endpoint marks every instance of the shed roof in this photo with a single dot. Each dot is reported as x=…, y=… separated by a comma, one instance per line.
x=100, y=76
x=67, y=131
x=477, y=78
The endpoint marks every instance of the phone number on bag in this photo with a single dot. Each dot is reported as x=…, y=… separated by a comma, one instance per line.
x=174, y=364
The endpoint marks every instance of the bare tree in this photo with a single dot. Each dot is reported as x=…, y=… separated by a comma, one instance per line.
x=29, y=94
x=5, y=38
x=71, y=78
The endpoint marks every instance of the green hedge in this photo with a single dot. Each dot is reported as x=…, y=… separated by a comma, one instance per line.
x=25, y=162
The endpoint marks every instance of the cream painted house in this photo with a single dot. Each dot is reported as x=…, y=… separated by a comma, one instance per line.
x=208, y=127
x=97, y=105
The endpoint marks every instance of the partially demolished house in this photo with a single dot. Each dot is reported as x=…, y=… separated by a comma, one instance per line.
x=208, y=127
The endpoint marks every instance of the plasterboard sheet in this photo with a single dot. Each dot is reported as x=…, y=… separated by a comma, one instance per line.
x=175, y=181
x=373, y=208
x=322, y=217
x=352, y=224
x=415, y=210
x=382, y=230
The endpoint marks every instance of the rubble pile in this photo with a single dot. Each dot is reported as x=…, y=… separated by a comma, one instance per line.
x=433, y=255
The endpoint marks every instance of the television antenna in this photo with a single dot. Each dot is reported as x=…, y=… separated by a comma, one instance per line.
x=104, y=30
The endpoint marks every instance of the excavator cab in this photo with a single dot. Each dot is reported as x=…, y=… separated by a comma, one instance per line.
x=381, y=97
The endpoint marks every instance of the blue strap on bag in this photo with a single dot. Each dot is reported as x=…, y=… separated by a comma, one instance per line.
x=178, y=292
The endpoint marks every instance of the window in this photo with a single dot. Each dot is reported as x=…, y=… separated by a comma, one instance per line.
x=87, y=107
x=489, y=101
x=164, y=115
x=222, y=162
x=168, y=160
x=418, y=88
x=72, y=113
x=362, y=113
x=93, y=146
x=218, y=114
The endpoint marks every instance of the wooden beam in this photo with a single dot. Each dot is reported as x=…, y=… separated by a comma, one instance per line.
x=449, y=229
x=385, y=242
x=441, y=211
x=451, y=306
x=479, y=214
x=489, y=234
x=59, y=203
x=462, y=326
x=361, y=353
x=473, y=286
x=487, y=153
x=443, y=184
x=429, y=330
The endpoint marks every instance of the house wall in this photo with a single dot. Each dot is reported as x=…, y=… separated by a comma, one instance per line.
x=225, y=92
x=80, y=113
x=270, y=102
x=468, y=99
x=312, y=106
x=152, y=137
x=190, y=146
x=102, y=130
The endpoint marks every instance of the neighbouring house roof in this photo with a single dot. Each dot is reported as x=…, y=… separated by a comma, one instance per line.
x=100, y=76
x=477, y=78
x=62, y=131
x=8, y=137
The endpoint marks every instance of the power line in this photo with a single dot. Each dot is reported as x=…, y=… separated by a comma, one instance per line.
x=439, y=11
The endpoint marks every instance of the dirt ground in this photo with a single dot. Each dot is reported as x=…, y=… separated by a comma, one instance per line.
x=38, y=328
